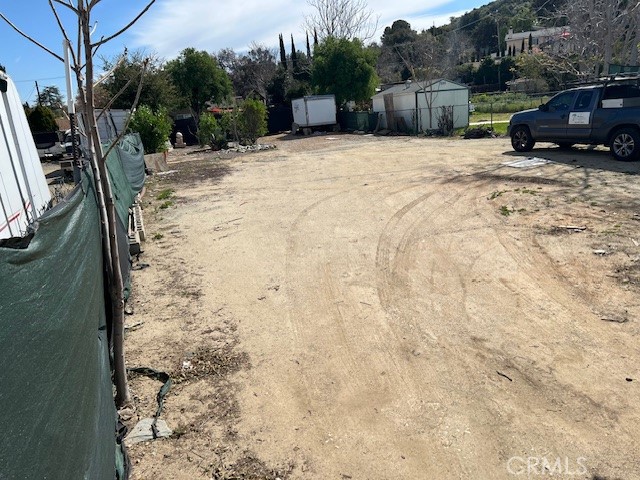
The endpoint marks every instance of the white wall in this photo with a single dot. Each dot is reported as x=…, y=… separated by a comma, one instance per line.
x=24, y=193
x=443, y=94
x=404, y=105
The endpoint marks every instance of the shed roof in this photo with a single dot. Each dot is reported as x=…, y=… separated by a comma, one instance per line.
x=417, y=86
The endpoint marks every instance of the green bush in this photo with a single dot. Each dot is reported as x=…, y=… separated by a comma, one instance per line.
x=229, y=124
x=245, y=124
x=211, y=133
x=154, y=128
x=253, y=121
x=41, y=119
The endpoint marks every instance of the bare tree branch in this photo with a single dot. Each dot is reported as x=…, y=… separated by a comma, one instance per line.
x=125, y=28
x=31, y=39
x=106, y=75
x=342, y=19
x=68, y=5
x=133, y=107
x=64, y=32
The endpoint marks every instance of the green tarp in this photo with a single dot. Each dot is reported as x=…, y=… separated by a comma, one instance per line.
x=131, y=153
x=57, y=413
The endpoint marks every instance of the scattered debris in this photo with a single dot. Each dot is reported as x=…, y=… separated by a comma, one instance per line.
x=616, y=319
x=233, y=147
x=575, y=228
x=629, y=379
x=146, y=430
x=505, y=376
x=151, y=428
x=528, y=162
x=479, y=132
x=133, y=327
x=602, y=253
x=168, y=172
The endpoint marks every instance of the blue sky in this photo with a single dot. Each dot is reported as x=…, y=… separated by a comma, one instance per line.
x=172, y=25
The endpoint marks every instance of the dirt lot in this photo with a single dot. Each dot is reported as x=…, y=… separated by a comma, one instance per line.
x=359, y=307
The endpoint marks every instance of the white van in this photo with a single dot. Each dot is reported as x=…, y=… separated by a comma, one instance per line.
x=24, y=193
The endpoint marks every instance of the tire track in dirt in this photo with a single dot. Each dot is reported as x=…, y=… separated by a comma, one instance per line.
x=417, y=222
x=528, y=267
x=357, y=346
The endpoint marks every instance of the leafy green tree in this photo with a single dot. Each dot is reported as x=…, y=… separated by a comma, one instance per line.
x=398, y=52
x=251, y=73
x=42, y=119
x=199, y=79
x=154, y=128
x=487, y=72
x=345, y=68
x=51, y=98
x=399, y=33
x=157, y=91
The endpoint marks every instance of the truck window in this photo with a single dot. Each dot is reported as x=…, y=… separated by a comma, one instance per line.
x=584, y=100
x=561, y=102
x=621, y=91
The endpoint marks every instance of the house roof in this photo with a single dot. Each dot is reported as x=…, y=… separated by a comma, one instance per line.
x=543, y=32
x=416, y=86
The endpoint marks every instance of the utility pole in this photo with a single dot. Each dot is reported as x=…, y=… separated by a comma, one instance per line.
x=38, y=90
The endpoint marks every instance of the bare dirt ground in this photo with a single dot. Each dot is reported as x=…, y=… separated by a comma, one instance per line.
x=359, y=307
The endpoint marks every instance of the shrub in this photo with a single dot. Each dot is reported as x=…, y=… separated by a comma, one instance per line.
x=253, y=122
x=229, y=124
x=41, y=119
x=208, y=130
x=154, y=128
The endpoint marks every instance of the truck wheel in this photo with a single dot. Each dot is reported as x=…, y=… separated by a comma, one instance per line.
x=521, y=140
x=625, y=144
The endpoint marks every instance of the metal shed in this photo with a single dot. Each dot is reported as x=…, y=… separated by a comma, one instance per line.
x=422, y=106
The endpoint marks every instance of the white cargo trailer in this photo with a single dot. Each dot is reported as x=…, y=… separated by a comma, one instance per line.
x=313, y=111
x=24, y=193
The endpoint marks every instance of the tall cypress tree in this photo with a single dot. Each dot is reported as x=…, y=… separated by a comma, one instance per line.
x=294, y=56
x=308, y=46
x=530, y=42
x=315, y=37
x=522, y=47
x=283, y=54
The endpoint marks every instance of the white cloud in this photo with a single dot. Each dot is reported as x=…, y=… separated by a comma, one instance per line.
x=172, y=25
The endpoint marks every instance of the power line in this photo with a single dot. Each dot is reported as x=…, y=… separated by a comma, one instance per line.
x=38, y=79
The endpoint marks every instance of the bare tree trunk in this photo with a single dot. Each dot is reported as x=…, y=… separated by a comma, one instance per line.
x=633, y=57
x=116, y=284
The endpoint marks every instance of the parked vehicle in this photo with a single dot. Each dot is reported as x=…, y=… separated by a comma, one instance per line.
x=24, y=193
x=313, y=111
x=49, y=145
x=606, y=113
